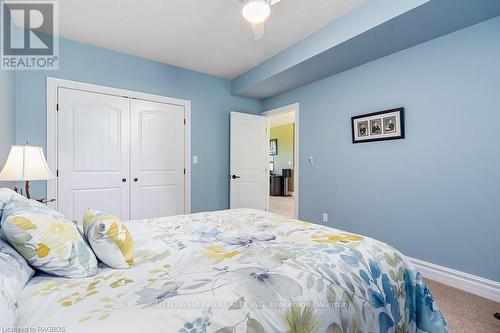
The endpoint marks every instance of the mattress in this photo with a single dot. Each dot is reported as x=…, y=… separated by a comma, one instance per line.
x=239, y=271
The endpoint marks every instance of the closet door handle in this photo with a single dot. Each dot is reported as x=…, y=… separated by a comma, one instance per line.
x=235, y=177
x=136, y=179
x=124, y=180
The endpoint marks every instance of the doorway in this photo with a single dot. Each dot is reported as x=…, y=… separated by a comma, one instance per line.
x=283, y=160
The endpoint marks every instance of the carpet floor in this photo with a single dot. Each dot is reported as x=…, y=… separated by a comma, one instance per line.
x=282, y=206
x=465, y=312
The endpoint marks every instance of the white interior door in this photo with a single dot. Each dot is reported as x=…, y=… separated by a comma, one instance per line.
x=249, y=161
x=157, y=159
x=93, y=153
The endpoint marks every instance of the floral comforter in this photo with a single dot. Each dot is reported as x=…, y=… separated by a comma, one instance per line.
x=239, y=271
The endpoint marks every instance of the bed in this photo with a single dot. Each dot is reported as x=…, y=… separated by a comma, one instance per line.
x=239, y=271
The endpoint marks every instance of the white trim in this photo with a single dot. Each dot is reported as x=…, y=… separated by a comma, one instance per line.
x=284, y=109
x=268, y=185
x=187, y=156
x=52, y=139
x=53, y=84
x=464, y=281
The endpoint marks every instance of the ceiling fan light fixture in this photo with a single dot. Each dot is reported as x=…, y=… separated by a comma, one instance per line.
x=256, y=11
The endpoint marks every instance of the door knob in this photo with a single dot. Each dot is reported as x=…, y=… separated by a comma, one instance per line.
x=136, y=179
x=124, y=180
x=235, y=177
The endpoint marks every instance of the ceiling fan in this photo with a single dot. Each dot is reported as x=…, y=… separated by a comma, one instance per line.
x=257, y=12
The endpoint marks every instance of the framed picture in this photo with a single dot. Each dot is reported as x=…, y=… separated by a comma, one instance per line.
x=273, y=147
x=378, y=126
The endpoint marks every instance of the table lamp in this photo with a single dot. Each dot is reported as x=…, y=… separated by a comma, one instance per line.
x=26, y=163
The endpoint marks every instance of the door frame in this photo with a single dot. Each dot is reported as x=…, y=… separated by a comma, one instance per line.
x=285, y=109
x=53, y=85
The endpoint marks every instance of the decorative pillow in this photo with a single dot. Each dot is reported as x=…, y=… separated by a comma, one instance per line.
x=109, y=238
x=5, y=195
x=47, y=240
x=14, y=274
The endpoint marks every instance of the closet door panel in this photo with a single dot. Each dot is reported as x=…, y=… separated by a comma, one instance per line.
x=155, y=201
x=157, y=159
x=93, y=153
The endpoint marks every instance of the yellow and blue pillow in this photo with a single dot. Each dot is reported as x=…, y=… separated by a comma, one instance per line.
x=5, y=195
x=109, y=238
x=46, y=239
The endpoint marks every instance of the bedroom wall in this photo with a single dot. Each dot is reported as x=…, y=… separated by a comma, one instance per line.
x=436, y=194
x=210, y=96
x=7, y=116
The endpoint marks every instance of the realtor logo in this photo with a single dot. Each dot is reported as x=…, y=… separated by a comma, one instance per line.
x=29, y=35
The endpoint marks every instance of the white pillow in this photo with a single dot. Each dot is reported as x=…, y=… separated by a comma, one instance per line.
x=14, y=274
x=8, y=309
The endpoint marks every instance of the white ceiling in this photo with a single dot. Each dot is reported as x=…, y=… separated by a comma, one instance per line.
x=208, y=36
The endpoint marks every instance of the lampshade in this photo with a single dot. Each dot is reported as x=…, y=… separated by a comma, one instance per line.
x=26, y=163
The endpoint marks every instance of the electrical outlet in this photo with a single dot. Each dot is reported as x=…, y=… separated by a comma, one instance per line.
x=325, y=217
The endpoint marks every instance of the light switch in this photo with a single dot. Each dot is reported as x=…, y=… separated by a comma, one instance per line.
x=195, y=159
x=310, y=159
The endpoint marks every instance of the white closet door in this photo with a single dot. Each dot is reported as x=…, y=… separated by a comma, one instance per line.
x=157, y=159
x=93, y=153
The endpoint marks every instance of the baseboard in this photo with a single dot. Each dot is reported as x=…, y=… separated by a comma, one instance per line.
x=464, y=281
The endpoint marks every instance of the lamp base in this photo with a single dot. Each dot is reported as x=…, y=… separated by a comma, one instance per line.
x=27, y=189
x=28, y=195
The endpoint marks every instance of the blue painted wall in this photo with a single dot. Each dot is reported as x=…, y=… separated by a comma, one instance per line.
x=7, y=115
x=211, y=103
x=436, y=194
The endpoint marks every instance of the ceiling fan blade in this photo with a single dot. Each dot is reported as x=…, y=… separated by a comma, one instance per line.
x=259, y=30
